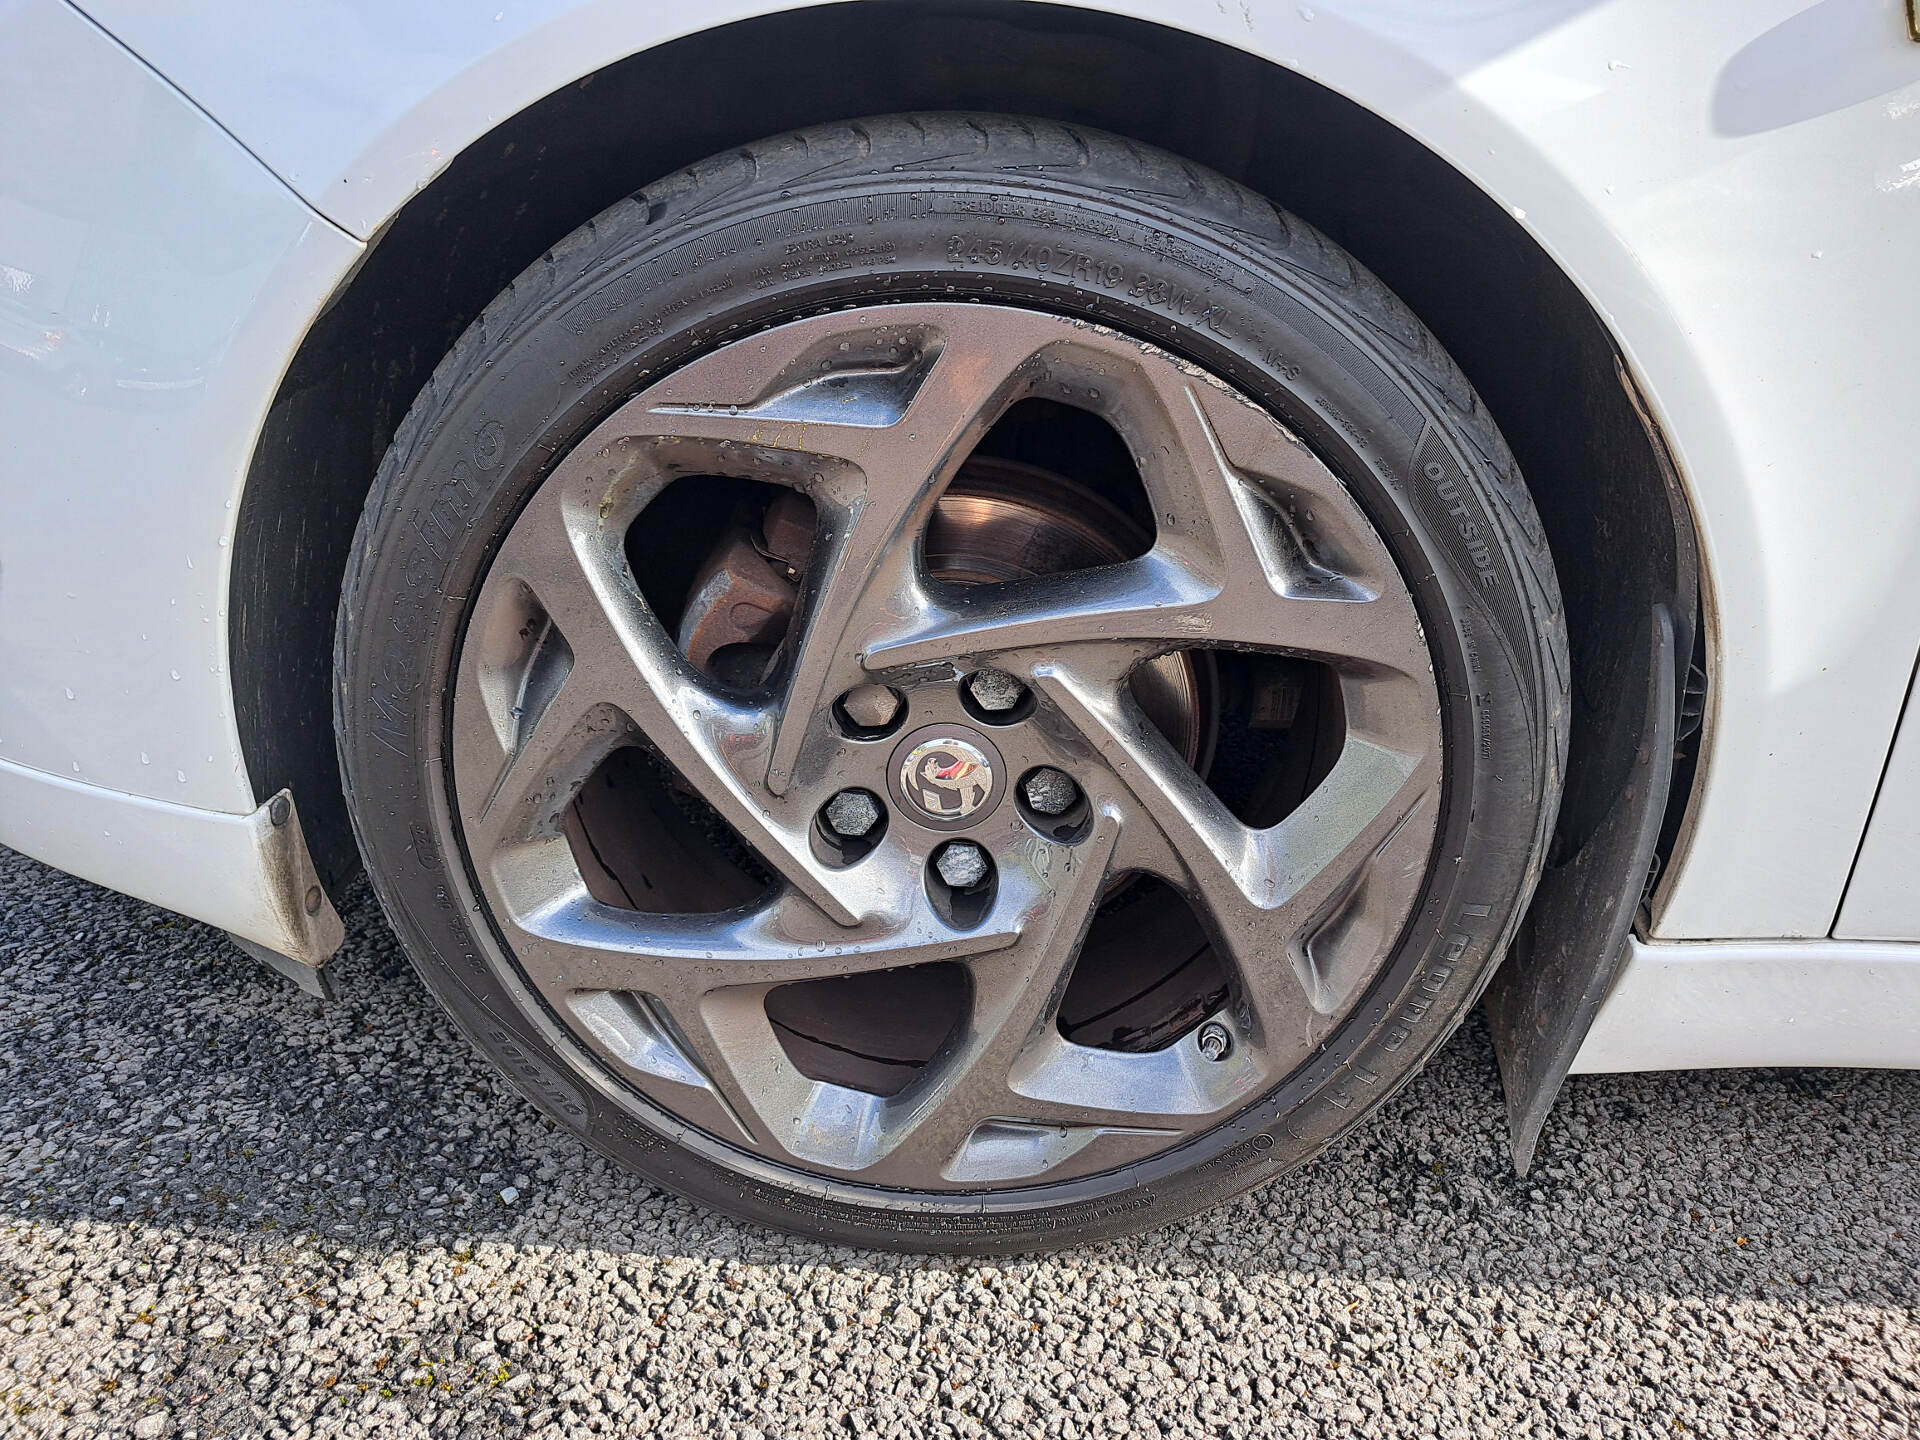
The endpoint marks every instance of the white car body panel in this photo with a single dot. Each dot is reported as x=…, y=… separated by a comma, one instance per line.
x=177, y=275
x=1736, y=187
x=181, y=275
x=1794, y=1002
x=251, y=876
x=1646, y=148
x=1883, y=898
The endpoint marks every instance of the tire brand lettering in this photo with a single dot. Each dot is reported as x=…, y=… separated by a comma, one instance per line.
x=1460, y=512
x=1456, y=512
x=819, y=242
x=546, y=1086
x=437, y=528
x=1430, y=985
x=1040, y=257
x=440, y=524
x=489, y=445
x=391, y=697
x=1343, y=1099
x=424, y=850
x=1064, y=262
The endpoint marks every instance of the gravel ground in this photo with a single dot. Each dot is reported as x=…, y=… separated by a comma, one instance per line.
x=231, y=1210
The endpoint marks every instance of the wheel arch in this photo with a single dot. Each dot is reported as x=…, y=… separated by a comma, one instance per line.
x=1540, y=356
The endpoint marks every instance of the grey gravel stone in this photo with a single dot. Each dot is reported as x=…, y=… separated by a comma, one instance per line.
x=312, y=1243
x=961, y=863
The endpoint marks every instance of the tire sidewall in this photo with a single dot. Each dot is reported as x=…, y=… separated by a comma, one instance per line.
x=626, y=301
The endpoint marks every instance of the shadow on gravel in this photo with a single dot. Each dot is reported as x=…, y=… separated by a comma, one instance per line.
x=150, y=1075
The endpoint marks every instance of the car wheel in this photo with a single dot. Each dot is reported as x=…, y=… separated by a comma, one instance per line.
x=952, y=682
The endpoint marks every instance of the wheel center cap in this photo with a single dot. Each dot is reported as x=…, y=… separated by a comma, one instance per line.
x=946, y=776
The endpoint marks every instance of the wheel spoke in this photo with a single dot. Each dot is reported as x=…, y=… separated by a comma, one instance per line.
x=1239, y=497
x=577, y=943
x=865, y=571
x=1259, y=546
x=875, y=421
x=681, y=999
x=1016, y=996
x=626, y=663
x=1266, y=891
x=1156, y=603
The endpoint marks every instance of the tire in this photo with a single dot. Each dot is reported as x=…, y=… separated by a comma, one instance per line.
x=1012, y=213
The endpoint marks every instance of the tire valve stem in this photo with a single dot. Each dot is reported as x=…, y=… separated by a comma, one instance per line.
x=1213, y=1041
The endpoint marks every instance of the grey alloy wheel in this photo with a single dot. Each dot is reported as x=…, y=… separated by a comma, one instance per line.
x=725, y=602
x=870, y=413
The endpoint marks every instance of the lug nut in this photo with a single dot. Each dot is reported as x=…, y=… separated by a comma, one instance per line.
x=852, y=813
x=995, y=690
x=872, y=707
x=961, y=863
x=1050, y=791
x=1213, y=1041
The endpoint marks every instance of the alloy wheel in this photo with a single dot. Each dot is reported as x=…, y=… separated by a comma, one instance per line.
x=985, y=692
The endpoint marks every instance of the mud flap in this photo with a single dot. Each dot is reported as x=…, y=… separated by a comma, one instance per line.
x=1563, y=961
x=316, y=980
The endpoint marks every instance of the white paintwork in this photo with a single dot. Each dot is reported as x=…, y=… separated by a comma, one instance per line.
x=1883, y=898
x=1735, y=185
x=214, y=867
x=1732, y=184
x=179, y=275
x=1716, y=1006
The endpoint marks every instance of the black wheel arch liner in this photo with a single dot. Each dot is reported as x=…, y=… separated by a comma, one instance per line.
x=1613, y=506
x=1571, y=943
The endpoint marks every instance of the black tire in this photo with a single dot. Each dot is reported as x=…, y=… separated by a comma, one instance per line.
x=1018, y=212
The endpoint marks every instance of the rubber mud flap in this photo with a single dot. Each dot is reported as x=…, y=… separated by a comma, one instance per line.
x=1542, y=1001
